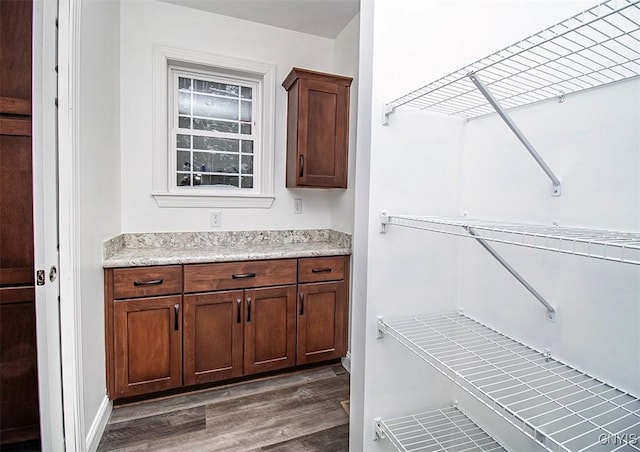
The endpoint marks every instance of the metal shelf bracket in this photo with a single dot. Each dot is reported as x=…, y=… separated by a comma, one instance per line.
x=551, y=311
x=378, y=432
x=387, y=109
x=382, y=328
x=557, y=185
x=384, y=221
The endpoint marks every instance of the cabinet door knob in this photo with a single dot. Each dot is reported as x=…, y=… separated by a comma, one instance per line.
x=301, y=165
x=301, y=303
x=239, y=305
x=176, y=309
x=248, y=309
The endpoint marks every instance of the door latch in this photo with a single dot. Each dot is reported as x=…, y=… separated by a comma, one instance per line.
x=53, y=273
x=40, y=277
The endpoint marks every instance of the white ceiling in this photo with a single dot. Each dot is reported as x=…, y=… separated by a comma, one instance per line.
x=326, y=18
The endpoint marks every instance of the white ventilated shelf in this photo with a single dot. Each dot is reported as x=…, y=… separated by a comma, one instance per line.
x=598, y=46
x=562, y=408
x=609, y=245
x=447, y=429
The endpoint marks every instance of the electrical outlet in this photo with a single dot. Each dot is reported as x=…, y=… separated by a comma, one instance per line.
x=297, y=205
x=216, y=219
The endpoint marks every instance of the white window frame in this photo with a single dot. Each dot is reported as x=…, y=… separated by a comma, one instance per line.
x=165, y=190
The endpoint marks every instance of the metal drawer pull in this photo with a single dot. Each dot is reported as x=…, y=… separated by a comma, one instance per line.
x=301, y=165
x=176, y=308
x=248, y=310
x=152, y=282
x=239, y=304
x=243, y=275
x=301, y=303
x=321, y=270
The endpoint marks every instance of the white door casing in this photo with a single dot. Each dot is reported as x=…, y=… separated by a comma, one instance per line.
x=45, y=219
x=68, y=222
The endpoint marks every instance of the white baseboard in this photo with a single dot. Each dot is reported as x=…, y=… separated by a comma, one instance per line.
x=94, y=435
x=346, y=362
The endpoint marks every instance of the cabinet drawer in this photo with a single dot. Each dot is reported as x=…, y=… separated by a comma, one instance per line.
x=316, y=269
x=239, y=275
x=147, y=281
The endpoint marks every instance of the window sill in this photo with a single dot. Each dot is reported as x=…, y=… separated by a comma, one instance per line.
x=205, y=200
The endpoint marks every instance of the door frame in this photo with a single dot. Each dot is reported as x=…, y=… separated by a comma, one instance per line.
x=68, y=48
x=46, y=231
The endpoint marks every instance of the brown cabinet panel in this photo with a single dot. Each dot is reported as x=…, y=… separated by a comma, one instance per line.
x=147, y=281
x=16, y=193
x=321, y=320
x=19, y=413
x=317, y=129
x=270, y=329
x=213, y=335
x=15, y=48
x=317, y=269
x=148, y=345
x=239, y=275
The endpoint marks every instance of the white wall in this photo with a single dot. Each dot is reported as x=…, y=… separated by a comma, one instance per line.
x=99, y=203
x=424, y=163
x=146, y=22
x=346, y=63
x=591, y=141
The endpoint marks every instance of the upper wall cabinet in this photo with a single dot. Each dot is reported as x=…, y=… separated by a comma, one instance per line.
x=317, y=129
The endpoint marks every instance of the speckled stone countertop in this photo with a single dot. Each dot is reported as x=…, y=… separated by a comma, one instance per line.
x=138, y=250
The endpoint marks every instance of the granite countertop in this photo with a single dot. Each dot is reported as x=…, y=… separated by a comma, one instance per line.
x=137, y=250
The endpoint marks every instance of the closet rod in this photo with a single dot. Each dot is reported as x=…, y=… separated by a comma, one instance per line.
x=557, y=186
x=551, y=311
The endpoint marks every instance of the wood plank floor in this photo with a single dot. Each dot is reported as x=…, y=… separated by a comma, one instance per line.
x=300, y=411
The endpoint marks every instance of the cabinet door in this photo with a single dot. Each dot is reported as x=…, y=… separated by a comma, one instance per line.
x=270, y=329
x=213, y=330
x=148, y=345
x=321, y=321
x=19, y=418
x=323, y=124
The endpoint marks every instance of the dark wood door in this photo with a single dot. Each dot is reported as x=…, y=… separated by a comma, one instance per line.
x=213, y=335
x=270, y=329
x=323, y=125
x=19, y=411
x=321, y=321
x=147, y=345
x=18, y=370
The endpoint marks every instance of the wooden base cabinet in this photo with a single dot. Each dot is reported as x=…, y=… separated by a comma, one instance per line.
x=322, y=308
x=148, y=345
x=213, y=336
x=321, y=319
x=173, y=326
x=270, y=331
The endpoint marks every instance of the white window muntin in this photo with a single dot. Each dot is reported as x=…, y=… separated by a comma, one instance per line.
x=254, y=136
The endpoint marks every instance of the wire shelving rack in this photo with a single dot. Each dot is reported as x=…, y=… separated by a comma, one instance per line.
x=617, y=246
x=439, y=430
x=596, y=47
x=560, y=407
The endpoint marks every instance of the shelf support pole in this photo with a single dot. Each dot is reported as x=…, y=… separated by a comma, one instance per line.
x=557, y=185
x=551, y=311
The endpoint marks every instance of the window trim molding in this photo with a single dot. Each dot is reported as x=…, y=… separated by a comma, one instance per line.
x=163, y=56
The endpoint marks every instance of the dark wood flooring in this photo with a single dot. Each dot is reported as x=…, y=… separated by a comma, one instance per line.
x=299, y=411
